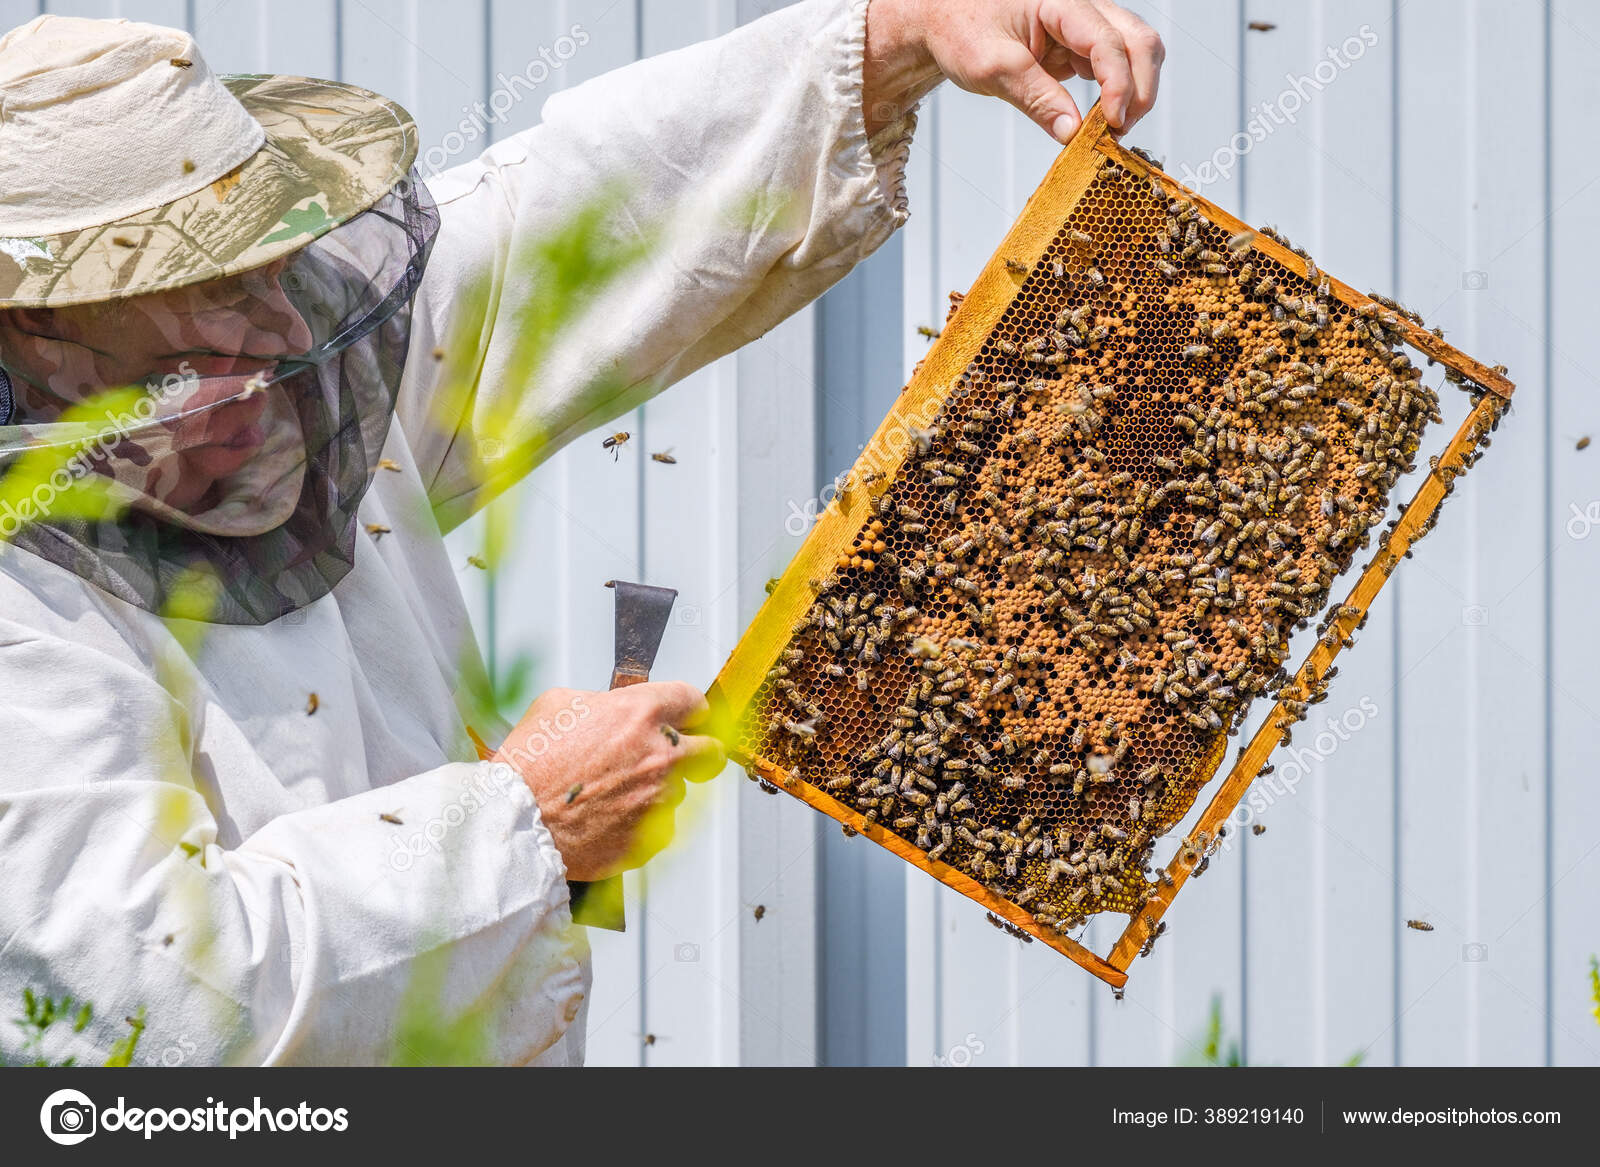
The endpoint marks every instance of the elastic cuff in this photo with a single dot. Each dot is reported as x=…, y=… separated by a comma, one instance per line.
x=888, y=152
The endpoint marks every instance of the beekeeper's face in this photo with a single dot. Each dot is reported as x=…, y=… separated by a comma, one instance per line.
x=208, y=342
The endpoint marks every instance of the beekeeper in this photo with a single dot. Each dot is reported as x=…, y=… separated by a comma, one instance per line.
x=237, y=677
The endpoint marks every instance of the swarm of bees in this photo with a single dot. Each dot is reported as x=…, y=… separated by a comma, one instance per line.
x=1092, y=559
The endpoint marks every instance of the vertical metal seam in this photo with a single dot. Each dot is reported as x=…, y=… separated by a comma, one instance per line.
x=338, y=40
x=1547, y=372
x=1395, y=749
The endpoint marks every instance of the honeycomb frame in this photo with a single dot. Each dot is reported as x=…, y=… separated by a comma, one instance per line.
x=1032, y=245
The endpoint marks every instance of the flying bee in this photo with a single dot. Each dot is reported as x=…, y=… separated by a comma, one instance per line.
x=1419, y=925
x=1016, y=267
x=665, y=457
x=615, y=443
x=313, y=703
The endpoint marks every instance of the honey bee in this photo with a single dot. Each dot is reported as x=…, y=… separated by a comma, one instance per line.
x=759, y=912
x=615, y=443
x=929, y=333
x=313, y=703
x=387, y=817
x=388, y=464
x=181, y=63
x=1016, y=267
x=665, y=457
x=478, y=561
x=1419, y=925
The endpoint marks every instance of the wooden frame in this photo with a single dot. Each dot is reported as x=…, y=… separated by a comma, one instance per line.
x=965, y=333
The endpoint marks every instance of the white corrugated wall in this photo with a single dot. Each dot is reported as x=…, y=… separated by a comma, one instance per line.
x=1446, y=161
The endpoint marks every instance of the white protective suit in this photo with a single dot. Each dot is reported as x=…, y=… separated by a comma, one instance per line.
x=177, y=833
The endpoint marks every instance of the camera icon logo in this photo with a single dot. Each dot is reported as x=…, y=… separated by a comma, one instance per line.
x=1474, y=281
x=1474, y=953
x=68, y=1117
x=686, y=953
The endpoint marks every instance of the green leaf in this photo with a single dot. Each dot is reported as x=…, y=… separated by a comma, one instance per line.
x=122, y=1050
x=310, y=221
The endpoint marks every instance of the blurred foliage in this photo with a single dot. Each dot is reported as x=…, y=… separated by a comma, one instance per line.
x=1215, y=1049
x=1594, y=985
x=425, y=1033
x=40, y=1015
x=93, y=425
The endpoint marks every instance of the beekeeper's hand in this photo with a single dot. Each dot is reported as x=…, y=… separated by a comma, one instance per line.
x=608, y=769
x=1016, y=49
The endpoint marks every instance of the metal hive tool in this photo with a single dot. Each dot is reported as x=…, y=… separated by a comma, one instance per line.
x=1144, y=447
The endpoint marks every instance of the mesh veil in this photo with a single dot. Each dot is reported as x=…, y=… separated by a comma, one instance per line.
x=229, y=429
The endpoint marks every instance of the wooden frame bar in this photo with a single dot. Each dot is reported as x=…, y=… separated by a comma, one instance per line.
x=965, y=333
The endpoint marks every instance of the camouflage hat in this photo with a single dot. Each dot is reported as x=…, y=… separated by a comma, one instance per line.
x=330, y=151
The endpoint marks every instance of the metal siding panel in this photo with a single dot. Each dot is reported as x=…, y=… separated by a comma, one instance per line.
x=773, y=425
x=1436, y=752
x=17, y=12
x=1465, y=635
x=253, y=36
x=167, y=12
x=1506, y=324
x=1325, y=180
x=1574, y=565
x=1350, y=779
x=862, y=957
x=577, y=517
x=684, y=900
